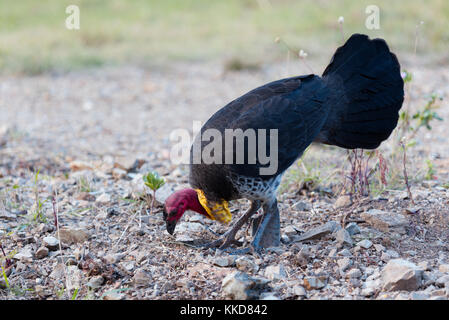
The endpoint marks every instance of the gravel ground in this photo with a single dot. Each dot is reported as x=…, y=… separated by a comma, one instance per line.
x=92, y=135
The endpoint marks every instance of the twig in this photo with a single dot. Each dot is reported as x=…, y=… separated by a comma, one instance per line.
x=55, y=213
x=404, y=161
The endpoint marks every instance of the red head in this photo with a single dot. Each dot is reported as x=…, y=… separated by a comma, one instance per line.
x=177, y=203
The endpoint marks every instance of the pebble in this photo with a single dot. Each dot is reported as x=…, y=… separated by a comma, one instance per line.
x=51, y=243
x=444, y=268
x=342, y=201
x=268, y=296
x=246, y=264
x=71, y=236
x=321, y=231
x=103, y=198
x=383, y=220
x=352, y=228
x=311, y=283
x=275, y=272
x=224, y=261
x=354, y=273
x=299, y=291
x=42, y=252
x=366, y=244
x=343, y=238
x=141, y=278
x=240, y=286
x=302, y=206
x=24, y=255
x=95, y=282
x=344, y=264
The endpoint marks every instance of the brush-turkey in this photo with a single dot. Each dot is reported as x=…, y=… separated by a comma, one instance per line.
x=354, y=104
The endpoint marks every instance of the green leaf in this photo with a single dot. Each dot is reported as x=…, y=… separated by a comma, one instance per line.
x=153, y=181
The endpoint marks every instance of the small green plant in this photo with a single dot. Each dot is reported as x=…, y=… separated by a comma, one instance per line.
x=430, y=173
x=427, y=114
x=154, y=182
x=39, y=203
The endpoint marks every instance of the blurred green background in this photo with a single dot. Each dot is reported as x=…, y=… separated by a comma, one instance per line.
x=34, y=39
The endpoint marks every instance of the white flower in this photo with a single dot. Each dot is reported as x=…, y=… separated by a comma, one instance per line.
x=302, y=54
x=341, y=20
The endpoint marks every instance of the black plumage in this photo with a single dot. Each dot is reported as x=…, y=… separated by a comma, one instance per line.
x=354, y=104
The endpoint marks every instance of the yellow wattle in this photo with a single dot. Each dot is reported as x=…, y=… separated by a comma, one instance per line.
x=219, y=211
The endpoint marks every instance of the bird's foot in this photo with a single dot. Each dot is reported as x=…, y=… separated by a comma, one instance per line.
x=224, y=242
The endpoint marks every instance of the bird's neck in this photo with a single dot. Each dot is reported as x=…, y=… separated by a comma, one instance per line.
x=194, y=204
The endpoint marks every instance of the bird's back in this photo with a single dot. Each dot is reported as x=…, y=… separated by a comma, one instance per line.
x=294, y=107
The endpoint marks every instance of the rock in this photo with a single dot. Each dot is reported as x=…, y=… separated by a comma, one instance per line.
x=302, y=206
x=85, y=196
x=71, y=236
x=345, y=253
x=321, y=231
x=163, y=193
x=141, y=278
x=246, y=264
x=74, y=277
x=352, y=228
x=365, y=243
x=129, y=164
x=342, y=201
x=114, y=257
x=6, y=215
x=424, y=265
x=113, y=295
x=343, y=238
x=24, y=255
x=224, y=261
x=95, y=282
x=51, y=243
x=103, y=198
x=393, y=254
x=444, y=268
x=442, y=281
x=268, y=296
x=354, y=273
x=184, y=238
x=240, y=286
x=418, y=295
x=118, y=173
x=312, y=283
x=401, y=274
x=58, y=272
x=385, y=221
x=371, y=286
x=42, y=252
x=290, y=231
x=80, y=166
x=128, y=265
x=299, y=291
x=344, y=263
x=187, y=227
x=275, y=272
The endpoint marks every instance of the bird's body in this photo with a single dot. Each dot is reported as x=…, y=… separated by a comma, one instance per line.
x=354, y=104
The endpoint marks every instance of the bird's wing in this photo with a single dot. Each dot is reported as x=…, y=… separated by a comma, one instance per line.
x=297, y=116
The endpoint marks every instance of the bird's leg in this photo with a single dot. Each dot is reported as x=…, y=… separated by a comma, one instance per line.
x=268, y=230
x=229, y=237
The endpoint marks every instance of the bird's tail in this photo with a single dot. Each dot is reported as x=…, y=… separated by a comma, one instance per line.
x=367, y=92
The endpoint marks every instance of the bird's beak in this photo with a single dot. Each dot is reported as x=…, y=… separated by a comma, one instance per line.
x=171, y=225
